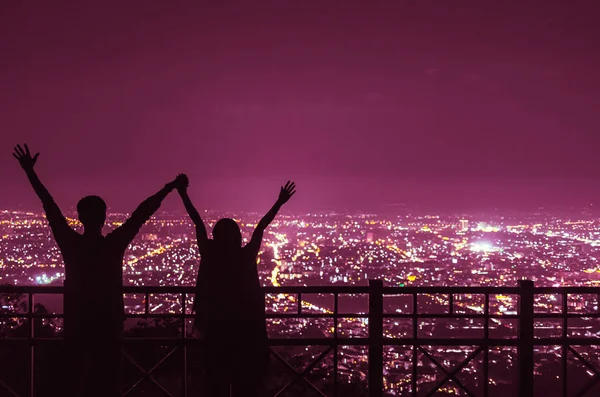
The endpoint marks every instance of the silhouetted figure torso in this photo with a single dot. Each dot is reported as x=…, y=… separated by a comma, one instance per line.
x=93, y=301
x=229, y=294
x=230, y=313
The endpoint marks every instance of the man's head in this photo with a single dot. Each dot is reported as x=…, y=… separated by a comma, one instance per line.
x=227, y=233
x=92, y=212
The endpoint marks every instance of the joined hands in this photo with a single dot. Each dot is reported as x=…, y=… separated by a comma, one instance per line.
x=179, y=183
x=182, y=182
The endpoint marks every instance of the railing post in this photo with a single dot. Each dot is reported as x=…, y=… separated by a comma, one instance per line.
x=375, y=338
x=526, y=298
x=31, y=336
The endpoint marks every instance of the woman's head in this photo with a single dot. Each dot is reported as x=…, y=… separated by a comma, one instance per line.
x=227, y=233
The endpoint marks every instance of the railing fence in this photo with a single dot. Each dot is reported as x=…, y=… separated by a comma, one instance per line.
x=377, y=341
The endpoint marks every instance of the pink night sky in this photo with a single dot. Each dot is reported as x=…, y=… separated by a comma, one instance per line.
x=447, y=103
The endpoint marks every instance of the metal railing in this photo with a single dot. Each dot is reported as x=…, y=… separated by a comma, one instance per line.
x=378, y=338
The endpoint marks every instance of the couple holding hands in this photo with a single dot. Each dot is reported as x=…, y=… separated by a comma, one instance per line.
x=228, y=304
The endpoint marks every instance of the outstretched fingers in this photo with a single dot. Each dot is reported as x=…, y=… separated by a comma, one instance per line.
x=19, y=150
x=287, y=191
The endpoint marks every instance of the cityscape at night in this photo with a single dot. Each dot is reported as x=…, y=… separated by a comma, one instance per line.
x=329, y=248
x=409, y=250
x=444, y=241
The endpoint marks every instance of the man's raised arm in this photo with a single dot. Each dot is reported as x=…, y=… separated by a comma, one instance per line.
x=144, y=211
x=57, y=221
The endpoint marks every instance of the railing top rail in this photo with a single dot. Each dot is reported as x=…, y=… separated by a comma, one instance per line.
x=566, y=290
x=326, y=289
x=36, y=289
x=449, y=290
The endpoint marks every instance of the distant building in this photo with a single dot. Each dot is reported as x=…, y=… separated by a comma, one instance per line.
x=464, y=225
x=149, y=237
x=369, y=237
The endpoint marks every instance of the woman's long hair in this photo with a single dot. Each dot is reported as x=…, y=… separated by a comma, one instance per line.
x=227, y=234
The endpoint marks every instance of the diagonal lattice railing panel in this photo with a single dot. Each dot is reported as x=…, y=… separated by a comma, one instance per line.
x=450, y=374
x=148, y=374
x=588, y=388
x=300, y=375
x=471, y=373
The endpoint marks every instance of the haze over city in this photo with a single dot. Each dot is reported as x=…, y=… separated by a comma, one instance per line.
x=485, y=105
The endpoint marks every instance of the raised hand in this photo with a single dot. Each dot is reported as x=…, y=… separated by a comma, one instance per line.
x=182, y=182
x=286, y=192
x=24, y=157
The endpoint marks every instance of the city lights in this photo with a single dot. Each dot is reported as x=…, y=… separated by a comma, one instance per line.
x=345, y=249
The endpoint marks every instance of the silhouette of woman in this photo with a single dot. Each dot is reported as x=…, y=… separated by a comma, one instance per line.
x=229, y=303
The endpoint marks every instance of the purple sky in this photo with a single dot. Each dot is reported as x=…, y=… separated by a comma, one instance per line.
x=466, y=103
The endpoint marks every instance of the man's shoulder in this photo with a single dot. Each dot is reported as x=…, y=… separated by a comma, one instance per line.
x=67, y=238
x=118, y=236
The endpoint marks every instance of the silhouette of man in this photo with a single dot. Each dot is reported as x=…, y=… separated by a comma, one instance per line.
x=229, y=303
x=93, y=298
